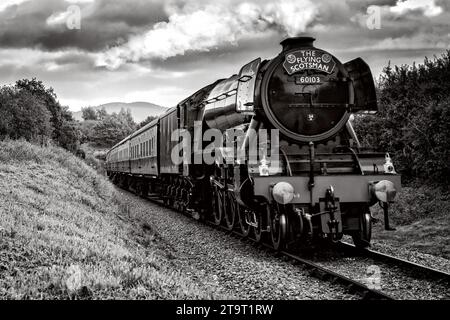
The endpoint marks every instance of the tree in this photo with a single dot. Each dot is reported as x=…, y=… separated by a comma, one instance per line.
x=101, y=114
x=29, y=110
x=145, y=122
x=89, y=113
x=113, y=128
x=6, y=119
x=59, y=114
x=24, y=116
x=70, y=135
x=87, y=130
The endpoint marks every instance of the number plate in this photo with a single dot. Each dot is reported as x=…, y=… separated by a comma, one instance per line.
x=308, y=80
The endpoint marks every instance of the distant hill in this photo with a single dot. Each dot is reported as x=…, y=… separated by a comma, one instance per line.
x=139, y=110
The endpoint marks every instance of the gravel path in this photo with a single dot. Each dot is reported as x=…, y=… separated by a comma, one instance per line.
x=232, y=268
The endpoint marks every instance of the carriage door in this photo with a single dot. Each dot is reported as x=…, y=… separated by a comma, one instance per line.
x=183, y=124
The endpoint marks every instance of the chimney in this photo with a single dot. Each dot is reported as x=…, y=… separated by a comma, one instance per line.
x=297, y=42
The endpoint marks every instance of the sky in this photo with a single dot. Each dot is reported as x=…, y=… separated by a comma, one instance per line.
x=98, y=51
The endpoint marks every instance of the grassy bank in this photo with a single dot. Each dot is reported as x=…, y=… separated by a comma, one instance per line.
x=64, y=234
x=421, y=216
x=95, y=156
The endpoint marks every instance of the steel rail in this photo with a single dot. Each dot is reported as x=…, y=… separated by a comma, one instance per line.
x=376, y=255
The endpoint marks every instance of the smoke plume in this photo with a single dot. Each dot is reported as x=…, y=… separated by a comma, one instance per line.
x=193, y=27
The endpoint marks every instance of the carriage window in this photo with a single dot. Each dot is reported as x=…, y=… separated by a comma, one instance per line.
x=153, y=143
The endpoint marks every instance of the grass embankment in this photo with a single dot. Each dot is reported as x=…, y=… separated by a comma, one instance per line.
x=421, y=216
x=65, y=234
x=95, y=156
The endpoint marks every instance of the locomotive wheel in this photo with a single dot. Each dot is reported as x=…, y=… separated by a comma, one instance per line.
x=168, y=202
x=230, y=210
x=362, y=238
x=144, y=190
x=244, y=226
x=141, y=189
x=217, y=206
x=257, y=231
x=278, y=228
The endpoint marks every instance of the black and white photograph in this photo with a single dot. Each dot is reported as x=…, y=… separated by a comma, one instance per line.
x=225, y=158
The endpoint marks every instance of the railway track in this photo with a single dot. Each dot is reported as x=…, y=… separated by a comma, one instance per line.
x=318, y=270
x=353, y=286
x=389, y=259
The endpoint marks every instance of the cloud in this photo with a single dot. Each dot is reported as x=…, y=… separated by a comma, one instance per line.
x=8, y=3
x=428, y=7
x=416, y=42
x=104, y=23
x=205, y=27
x=162, y=51
x=61, y=18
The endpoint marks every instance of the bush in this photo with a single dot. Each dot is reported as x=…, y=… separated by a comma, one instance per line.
x=413, y=122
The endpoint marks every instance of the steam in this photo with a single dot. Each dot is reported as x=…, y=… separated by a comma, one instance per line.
x=202, y=28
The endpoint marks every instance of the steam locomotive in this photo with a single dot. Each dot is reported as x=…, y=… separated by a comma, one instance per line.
x=311, y=183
